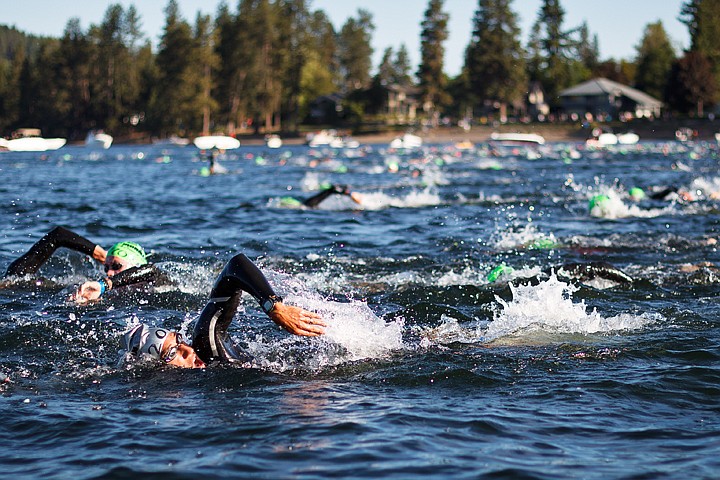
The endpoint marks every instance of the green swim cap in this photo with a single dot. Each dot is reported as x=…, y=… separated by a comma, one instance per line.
x=130, y=251
x=497, y=271
x=637, y=193
x=542, y=244
x=597, y=201
x=290, y=202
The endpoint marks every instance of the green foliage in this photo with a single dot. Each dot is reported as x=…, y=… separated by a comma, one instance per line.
x=262, y=65
x=494, y=60
x=431, y=79
x=692, y=85
x=655, y=58
x=355, y=51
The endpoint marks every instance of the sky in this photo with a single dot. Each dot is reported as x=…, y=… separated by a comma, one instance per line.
x=619, y=24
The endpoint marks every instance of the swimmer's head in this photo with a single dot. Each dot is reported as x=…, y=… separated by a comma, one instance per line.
x=636, y=193
x=143, y=341
x=598, y=201
x=124, y=255
x=498, y=271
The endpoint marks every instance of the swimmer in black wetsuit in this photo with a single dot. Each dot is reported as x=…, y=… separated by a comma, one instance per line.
x=580, y=272
x=210, y=342
x=317, y=199
x=125, y=262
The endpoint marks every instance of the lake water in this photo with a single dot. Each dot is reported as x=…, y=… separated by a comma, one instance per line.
x=428, y=370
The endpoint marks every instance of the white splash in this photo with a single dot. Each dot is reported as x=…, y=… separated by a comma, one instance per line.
x=537, y=314
x=414, y=199
x=548, y=307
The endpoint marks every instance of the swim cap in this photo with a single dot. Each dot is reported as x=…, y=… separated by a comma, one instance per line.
x=497, y=271
x=145, y=341
x=542, y=244
x=130, y=251
x=637, y=193
x=597, y=201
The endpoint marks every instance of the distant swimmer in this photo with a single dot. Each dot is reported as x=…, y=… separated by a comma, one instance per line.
x=210, y=342
x=125, y=262
x=580, y=272
x=317, y=199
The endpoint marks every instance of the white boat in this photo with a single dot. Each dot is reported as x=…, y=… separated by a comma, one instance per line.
x=602, y=139
x=518, y=138
x=406, y=141
x=98, y=139
x=322, y=138
x=221, y=142
x=628, y=138
x=273, y=141
x=29, y=140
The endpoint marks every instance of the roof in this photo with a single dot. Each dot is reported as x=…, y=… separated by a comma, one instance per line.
x=603, y=86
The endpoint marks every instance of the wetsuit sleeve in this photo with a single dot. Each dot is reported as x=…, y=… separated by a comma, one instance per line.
x=46, y=246
x=210, y=338
x=147, y=273
x=315, y=200
x=588, y=271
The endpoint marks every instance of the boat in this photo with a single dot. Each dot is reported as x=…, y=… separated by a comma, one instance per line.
x=601, y=138
x=628, y=138
x=518, y=138
x=221, y=142
x=406, y=141
x=273, y=141
x=30, y=140
x=98, y=139
x=322, y=138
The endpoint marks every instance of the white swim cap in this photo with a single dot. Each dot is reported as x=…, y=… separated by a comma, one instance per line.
x=143, y=340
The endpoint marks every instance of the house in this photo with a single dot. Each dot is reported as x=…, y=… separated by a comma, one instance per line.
x=401, y=103
x=326, y=109
x=604, y=98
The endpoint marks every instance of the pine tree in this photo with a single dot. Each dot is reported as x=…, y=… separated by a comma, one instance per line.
x=494, y=59
x=176, y=86
x=655, y=58
x=355, y=51
x=431, y=79
x=703, y=20
x=555, y=50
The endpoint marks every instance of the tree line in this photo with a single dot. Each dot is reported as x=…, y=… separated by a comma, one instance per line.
x=260, y=66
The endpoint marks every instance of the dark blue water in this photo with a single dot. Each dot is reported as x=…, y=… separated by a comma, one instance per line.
x=427, y=369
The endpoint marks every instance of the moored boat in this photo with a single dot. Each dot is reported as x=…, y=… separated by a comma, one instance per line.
x=98, y=139
x=30, y=140
x=518, y=138
x=406, y=141
x=221, y=142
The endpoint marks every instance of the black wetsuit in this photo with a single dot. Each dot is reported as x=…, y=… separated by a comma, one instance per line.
x=584, y=272
x=316, y=200
x=45, y=247
x=59, y=237
x=210, y=337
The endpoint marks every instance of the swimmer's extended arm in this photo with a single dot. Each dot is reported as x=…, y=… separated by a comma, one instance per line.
x=147, y=273
x=241, y=275
x=46, y=246
x=317, y=199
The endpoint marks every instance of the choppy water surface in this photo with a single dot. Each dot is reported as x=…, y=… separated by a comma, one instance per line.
x=427, y=369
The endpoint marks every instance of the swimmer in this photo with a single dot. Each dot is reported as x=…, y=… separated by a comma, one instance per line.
x=316, y=200
x=125, y=262
x=210, y=342
x=581, y=272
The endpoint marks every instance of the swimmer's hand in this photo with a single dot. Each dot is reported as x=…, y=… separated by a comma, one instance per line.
x=87, y=291
x=297, y=320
